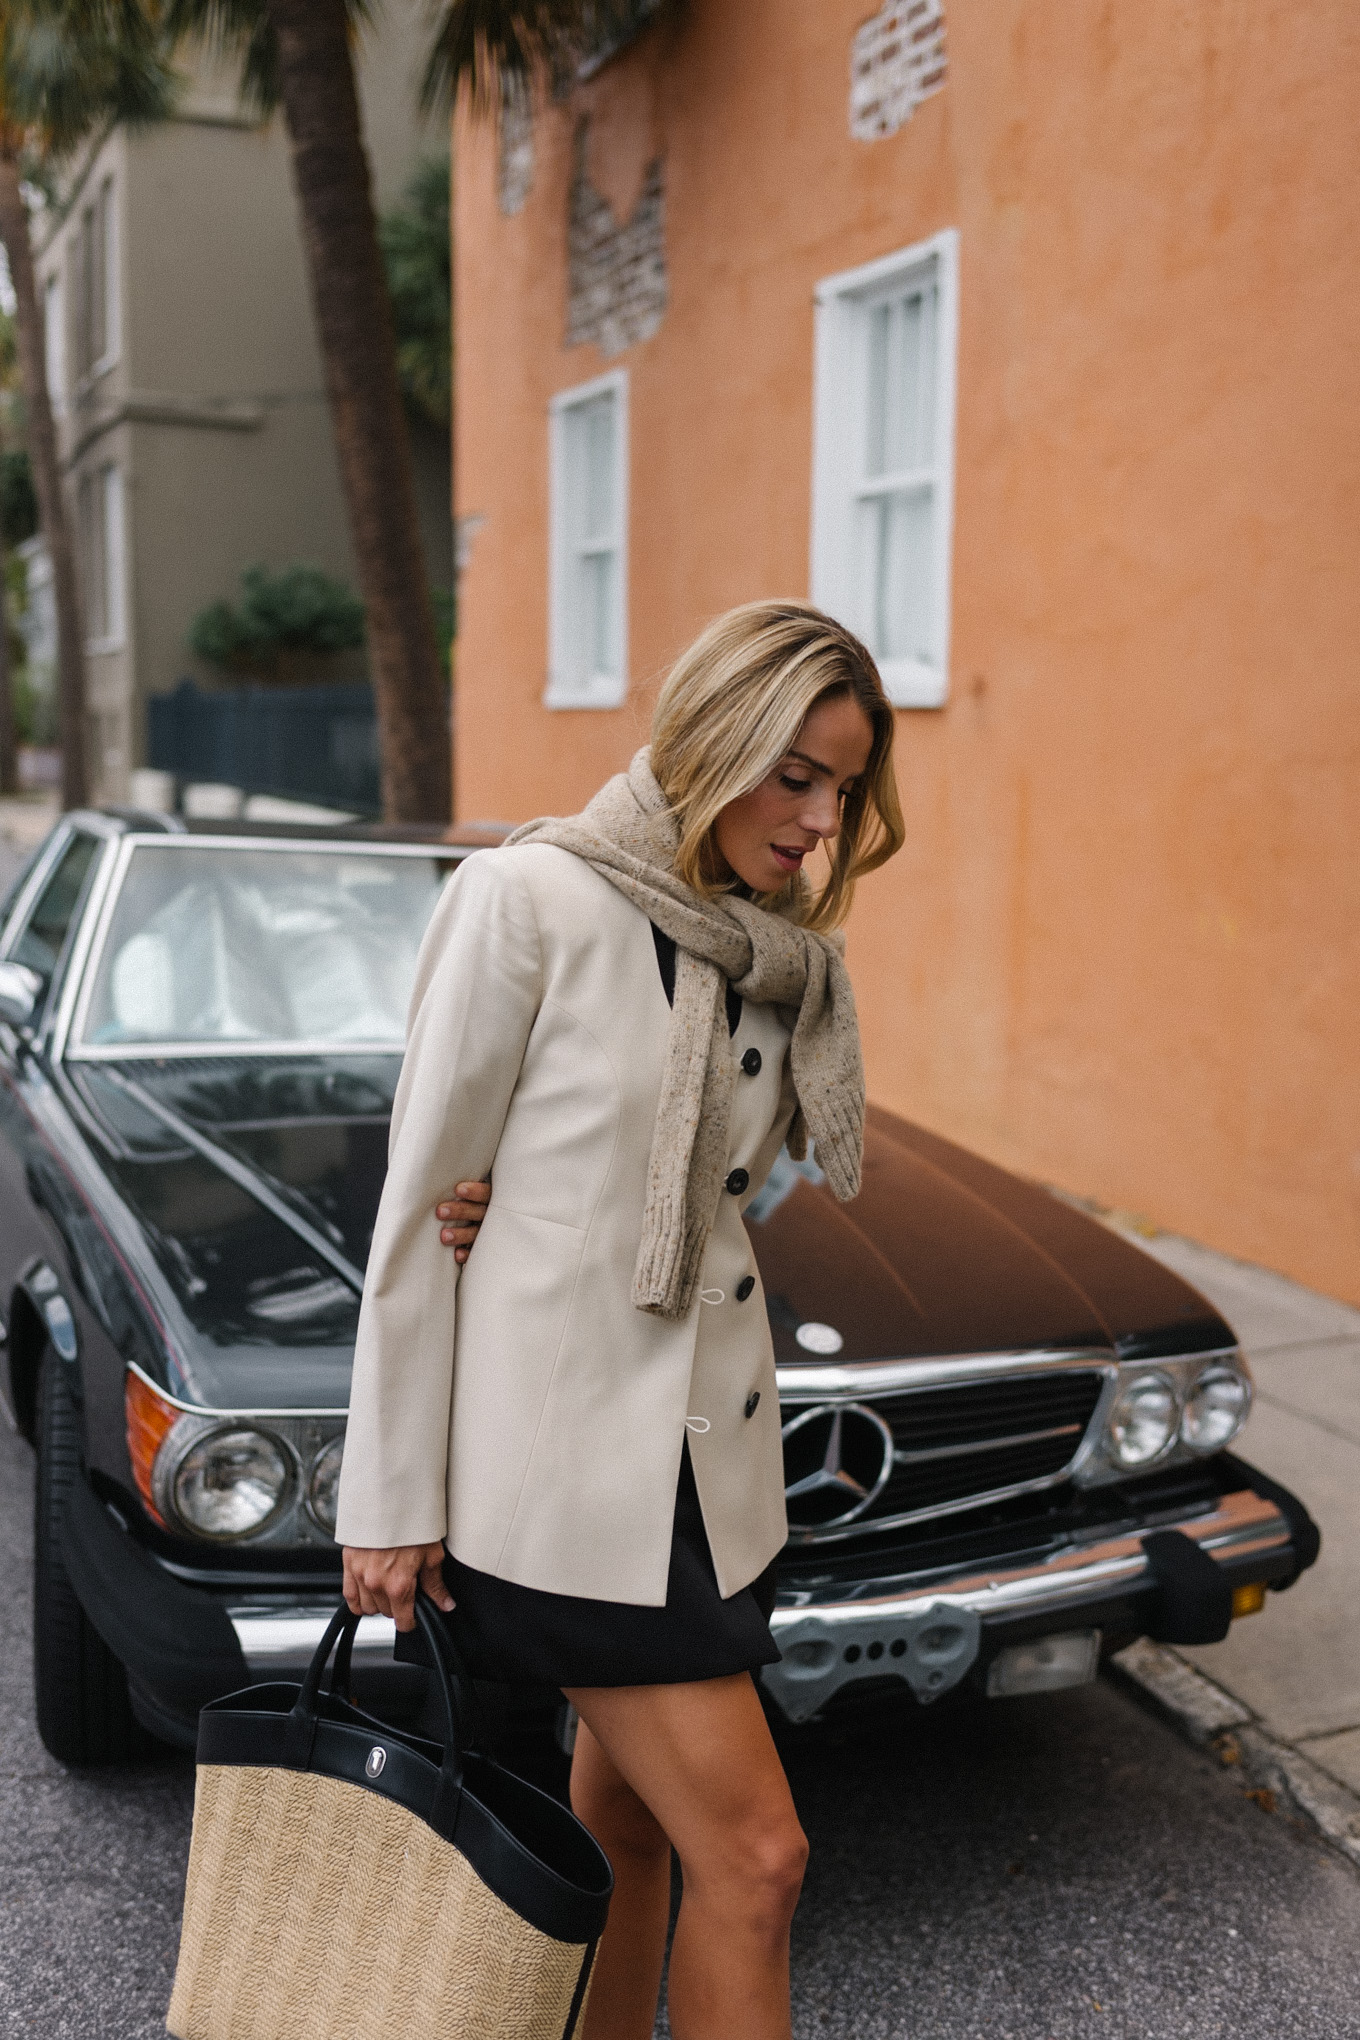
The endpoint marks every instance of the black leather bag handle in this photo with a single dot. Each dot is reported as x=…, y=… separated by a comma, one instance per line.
x=451, y=1677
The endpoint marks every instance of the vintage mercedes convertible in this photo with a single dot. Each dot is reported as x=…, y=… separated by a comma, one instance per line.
x=1005, y=1427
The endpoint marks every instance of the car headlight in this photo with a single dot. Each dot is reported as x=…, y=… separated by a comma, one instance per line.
x=323, y=1488
x=1143, y=1420
x=1215, y=1409
x=230, y=1483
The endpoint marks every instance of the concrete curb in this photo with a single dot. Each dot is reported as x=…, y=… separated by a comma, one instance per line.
x=1275, y=1774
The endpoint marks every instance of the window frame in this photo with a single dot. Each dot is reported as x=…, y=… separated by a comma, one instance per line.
x=95, y=261
x=85, y=830
x=106, y=235
x=840, y=398
x=561, y=691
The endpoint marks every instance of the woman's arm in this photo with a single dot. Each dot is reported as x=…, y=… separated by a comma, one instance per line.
x=477, y=995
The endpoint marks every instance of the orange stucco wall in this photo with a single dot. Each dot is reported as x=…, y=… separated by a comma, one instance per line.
x=1120, y=949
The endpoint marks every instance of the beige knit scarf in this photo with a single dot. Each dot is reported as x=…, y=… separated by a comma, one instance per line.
x=629, y=835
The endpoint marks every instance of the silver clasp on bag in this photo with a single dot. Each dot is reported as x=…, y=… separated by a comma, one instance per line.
x=375, y=1761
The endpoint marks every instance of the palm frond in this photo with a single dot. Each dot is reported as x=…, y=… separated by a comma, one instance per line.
x=492, y=49
x=238, y=30
x=71, y=67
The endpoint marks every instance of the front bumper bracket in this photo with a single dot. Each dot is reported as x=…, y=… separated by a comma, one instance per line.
x=930, y=1630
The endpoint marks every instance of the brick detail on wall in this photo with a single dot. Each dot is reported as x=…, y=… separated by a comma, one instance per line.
x=897, y=59
x=616, y=290
x=515, y=167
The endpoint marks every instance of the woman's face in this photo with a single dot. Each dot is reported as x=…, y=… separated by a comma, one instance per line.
x=764, y=836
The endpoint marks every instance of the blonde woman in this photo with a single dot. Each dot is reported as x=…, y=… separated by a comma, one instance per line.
x=572, y=1439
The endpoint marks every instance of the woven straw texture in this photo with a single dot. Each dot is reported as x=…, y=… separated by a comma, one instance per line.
x=317, y=1911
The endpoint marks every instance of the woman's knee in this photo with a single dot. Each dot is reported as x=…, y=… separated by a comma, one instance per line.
x=755, y=1871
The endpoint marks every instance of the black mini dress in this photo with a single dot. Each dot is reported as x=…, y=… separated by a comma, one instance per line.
x=518, y=1635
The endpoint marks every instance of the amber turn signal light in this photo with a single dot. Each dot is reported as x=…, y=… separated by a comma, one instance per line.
x=1249, y=1600
x=150, y=1417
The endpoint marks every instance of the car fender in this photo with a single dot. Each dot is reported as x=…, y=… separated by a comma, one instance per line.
x=40, y=1315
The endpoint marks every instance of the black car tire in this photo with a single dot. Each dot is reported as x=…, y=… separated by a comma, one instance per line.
x=80, y=1687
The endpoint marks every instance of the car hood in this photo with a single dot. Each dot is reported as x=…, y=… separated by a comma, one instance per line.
x=252, y=1183
x=261, y=1232
x=943, y=1253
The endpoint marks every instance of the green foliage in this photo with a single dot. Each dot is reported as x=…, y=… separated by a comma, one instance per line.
x=35, y=710
x=71, y=65
x=298, y=610
x=415, y=245
x=492, y=48
x=238, y=29
x=18, y=504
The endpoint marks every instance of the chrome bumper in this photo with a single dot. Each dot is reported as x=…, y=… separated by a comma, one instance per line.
x=928, y=1631
x=278, y=1643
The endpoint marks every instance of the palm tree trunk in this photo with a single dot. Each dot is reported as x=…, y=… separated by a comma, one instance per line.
x=354, y=320
x=42, y=454
x=9, y=760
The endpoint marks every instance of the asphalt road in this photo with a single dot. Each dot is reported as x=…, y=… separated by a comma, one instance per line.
x=1030, y=1871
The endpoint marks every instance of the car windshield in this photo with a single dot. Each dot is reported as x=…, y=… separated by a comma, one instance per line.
x=210, y=943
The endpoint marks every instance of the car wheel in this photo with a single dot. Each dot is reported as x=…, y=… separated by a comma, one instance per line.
x=80, y=1687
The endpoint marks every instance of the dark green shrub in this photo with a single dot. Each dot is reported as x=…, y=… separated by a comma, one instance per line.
x=300, y=609
x=18, y=504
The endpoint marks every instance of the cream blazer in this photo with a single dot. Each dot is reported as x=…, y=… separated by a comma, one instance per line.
x=522, y=1408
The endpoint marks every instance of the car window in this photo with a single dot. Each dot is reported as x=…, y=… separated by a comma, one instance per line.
x=16, y=886
x=49, y=921
x=215, y=944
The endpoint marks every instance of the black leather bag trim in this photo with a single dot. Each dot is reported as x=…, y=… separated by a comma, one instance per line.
x=578, y=1996
x=526, y=1847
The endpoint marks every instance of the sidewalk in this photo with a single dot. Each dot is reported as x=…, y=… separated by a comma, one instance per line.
x=1296, y=1666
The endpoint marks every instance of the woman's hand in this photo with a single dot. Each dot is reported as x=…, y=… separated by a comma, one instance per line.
x=461, y=1215
x=384, y=1582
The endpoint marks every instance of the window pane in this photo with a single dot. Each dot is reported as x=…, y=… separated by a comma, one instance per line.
x=108, y=282
x=40, y=944
x=900, y=394
x=111, y=508
x=895, y=547
x=597, y=428
x=55, y=334
x=94, y=587
x=226, y=945
x=600, y=571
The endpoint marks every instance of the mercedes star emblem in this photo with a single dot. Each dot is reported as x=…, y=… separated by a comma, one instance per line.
x=837, y=1461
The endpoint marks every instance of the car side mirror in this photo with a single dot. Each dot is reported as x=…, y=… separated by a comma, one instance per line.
x=20, y=991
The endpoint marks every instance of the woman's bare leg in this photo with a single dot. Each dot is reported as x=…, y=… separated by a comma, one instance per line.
x=627, y=1979
x=700, y=1759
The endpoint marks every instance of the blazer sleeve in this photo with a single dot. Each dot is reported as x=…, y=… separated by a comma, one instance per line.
x=477, y=993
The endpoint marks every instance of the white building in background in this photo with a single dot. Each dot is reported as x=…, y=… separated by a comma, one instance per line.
x=188, y=385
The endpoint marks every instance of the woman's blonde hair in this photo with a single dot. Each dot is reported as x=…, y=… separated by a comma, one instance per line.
x=732, y=707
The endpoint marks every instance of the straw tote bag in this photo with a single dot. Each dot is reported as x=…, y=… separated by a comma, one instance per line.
x=348, y=1881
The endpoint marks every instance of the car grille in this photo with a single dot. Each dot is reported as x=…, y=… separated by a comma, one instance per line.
x=852, y=1467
